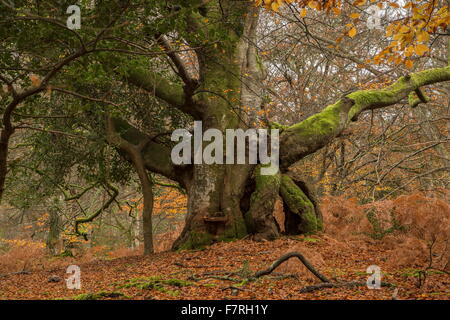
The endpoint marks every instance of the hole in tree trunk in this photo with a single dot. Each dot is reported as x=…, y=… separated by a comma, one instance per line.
x=215, y=224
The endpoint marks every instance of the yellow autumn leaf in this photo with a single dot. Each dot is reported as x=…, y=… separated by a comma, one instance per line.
x=359, y=2
x=313, y=4
x=275, y=6
x=404, y=29
x=398, y=36
x=420, y=49
x=408, y=5
x=352, y=32
x=409, y=51
x=336, y=11
x=355, y=15
x=409, y=64
x=303, y=12
x=423, y=36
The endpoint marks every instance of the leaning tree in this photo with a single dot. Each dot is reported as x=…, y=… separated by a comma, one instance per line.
x=216, y=77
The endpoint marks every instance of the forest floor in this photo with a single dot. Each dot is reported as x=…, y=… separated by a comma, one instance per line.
x=221, y=272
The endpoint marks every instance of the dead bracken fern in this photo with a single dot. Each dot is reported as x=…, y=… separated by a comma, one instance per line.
x=416, y=227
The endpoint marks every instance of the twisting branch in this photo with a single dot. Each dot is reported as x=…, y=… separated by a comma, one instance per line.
x=286, y=257
x=134, y=152
x=181, y=68
x=310, y=135
x=326, y=283
x=421, y=98
x=105, y=206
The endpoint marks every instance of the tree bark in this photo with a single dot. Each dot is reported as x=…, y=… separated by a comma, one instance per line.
x=54, y=231
x=135, y=154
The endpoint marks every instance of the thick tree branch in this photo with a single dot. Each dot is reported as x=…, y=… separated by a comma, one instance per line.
x=154, y=83
x=134, y=151
x=156, y=156
x=179, y=64
x=315, y=132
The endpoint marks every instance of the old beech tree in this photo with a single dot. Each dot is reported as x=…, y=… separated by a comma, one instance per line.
x=231, y=201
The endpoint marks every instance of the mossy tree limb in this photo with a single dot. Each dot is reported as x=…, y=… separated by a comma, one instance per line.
x=310, y=135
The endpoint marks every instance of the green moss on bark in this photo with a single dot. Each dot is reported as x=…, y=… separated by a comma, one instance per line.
x=298, y=203
x=236, y=231
x=259, y=218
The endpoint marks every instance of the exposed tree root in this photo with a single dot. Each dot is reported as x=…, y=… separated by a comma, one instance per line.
x=326, y=283
x=286, y=257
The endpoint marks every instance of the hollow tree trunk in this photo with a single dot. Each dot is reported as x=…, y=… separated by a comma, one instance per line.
x=230, y=202
x=214, y=211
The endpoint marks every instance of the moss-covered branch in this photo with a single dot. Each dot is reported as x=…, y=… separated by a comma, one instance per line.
x=142, y=76
x=315, y=132
x=156, y=156
x=156, y=84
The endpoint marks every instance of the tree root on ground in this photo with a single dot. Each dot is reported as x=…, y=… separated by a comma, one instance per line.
x=326, y=283
x=286, y=257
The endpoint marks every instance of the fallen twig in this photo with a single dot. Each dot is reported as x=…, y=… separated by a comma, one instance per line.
x=18, y=272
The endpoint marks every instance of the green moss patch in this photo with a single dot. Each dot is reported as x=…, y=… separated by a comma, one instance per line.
x=100, y=295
